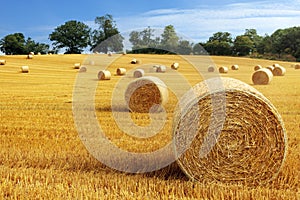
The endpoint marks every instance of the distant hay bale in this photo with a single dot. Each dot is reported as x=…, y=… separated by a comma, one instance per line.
x=276, y=65
x=124, y=53
x=30, y=56
x=109, y=53
x=82, y=69
x=104, y=75
x=39, y=53
x=297, y=66
x=133, y=61
x=145, y=94
x=121, y=71
x=31, y=53
x=161, y=69
x=2, y=62
x=271, y=68
x=262, y=77
x=211, y=68
x=138, y=73
x=175, y=66
x=279, y=71
x=235, y=67
x=257, y=67
x=77, y=65
x=248, y=148
x=24, y=69
x=223, y=70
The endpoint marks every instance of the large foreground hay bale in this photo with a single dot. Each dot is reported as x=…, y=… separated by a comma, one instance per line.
x=77, y=65
x=271, y=68
x=146, y=93
x=104, y=75
x=138, y=73
x=2, y=62
x=121, y=71
x=175, y=66
x=248, y=148
x=223, y=70
x=257, y=67
x=262, y=77
x=235, y=67
x=297, y=66
x=24, y=69
x=279, y=71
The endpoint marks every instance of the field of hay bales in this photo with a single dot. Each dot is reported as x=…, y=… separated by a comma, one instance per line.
x=42, y=156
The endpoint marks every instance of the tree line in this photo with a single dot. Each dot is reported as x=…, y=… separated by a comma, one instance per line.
x=74, y=36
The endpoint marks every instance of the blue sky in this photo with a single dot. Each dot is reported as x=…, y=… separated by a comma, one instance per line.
x=197, y=20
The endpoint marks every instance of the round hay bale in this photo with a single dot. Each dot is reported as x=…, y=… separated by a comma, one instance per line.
x=297, y=66
x=104, y=75
x=138, y=73
x=276, y=65
x=82, y=69
x=262, y=77
x=211, y=69
x=29, y=56
x=271, y=68
x=235, y=67
x=223, y=70
x=24, y=69
x=121, y=71
x=250, y=146
x=145, y=94
x=257, y=67
x=133, y=61
x=175, y=66
x=77, y=65
x=109, y=53
x=2, y=62
x=161, y=69
x=279, y=71
x=39, y=53
x=31, y=53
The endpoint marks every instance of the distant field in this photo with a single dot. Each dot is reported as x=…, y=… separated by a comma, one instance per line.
x=42, y=156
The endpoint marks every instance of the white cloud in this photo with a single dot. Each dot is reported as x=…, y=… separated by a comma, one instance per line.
x=201, y=23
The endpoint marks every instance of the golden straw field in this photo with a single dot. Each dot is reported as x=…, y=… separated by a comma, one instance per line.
x=42, y=156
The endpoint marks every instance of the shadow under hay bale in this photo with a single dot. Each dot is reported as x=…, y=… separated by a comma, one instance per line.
x=104, y=75
x=251, y=147
x=262, y=77
x=146, y=93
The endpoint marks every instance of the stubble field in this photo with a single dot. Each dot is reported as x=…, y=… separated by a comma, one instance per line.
x=42, y=156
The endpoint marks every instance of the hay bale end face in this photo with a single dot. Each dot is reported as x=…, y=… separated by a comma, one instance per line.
x=121, y=71
x=250, y=147
x=235, y=67
x=262, y=77
x=82, y=69
x=257, y=67
x=138, y=73
x=211, y=69
x=161, y=69
x=24, y=69
x=29, y=56
x=145, y=94
x=2, y=62
x=104, y=75
x=175, y=66
x=297, y=66
x=77, y=65
x=223, y=70
x=279, y=71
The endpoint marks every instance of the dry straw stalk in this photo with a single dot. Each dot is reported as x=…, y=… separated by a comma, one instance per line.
x=250, y=147
x=146, y=93
x=262, y=77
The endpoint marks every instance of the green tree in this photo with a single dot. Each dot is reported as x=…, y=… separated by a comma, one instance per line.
x=13, y=44
x=219, y=44
x=107, y=37
x=254, y=37
x=198, y=49
x=243, y=45
x=73, y=35
x=265, y=46
x=144, y=39
x=184, y=47
x=169, y=39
